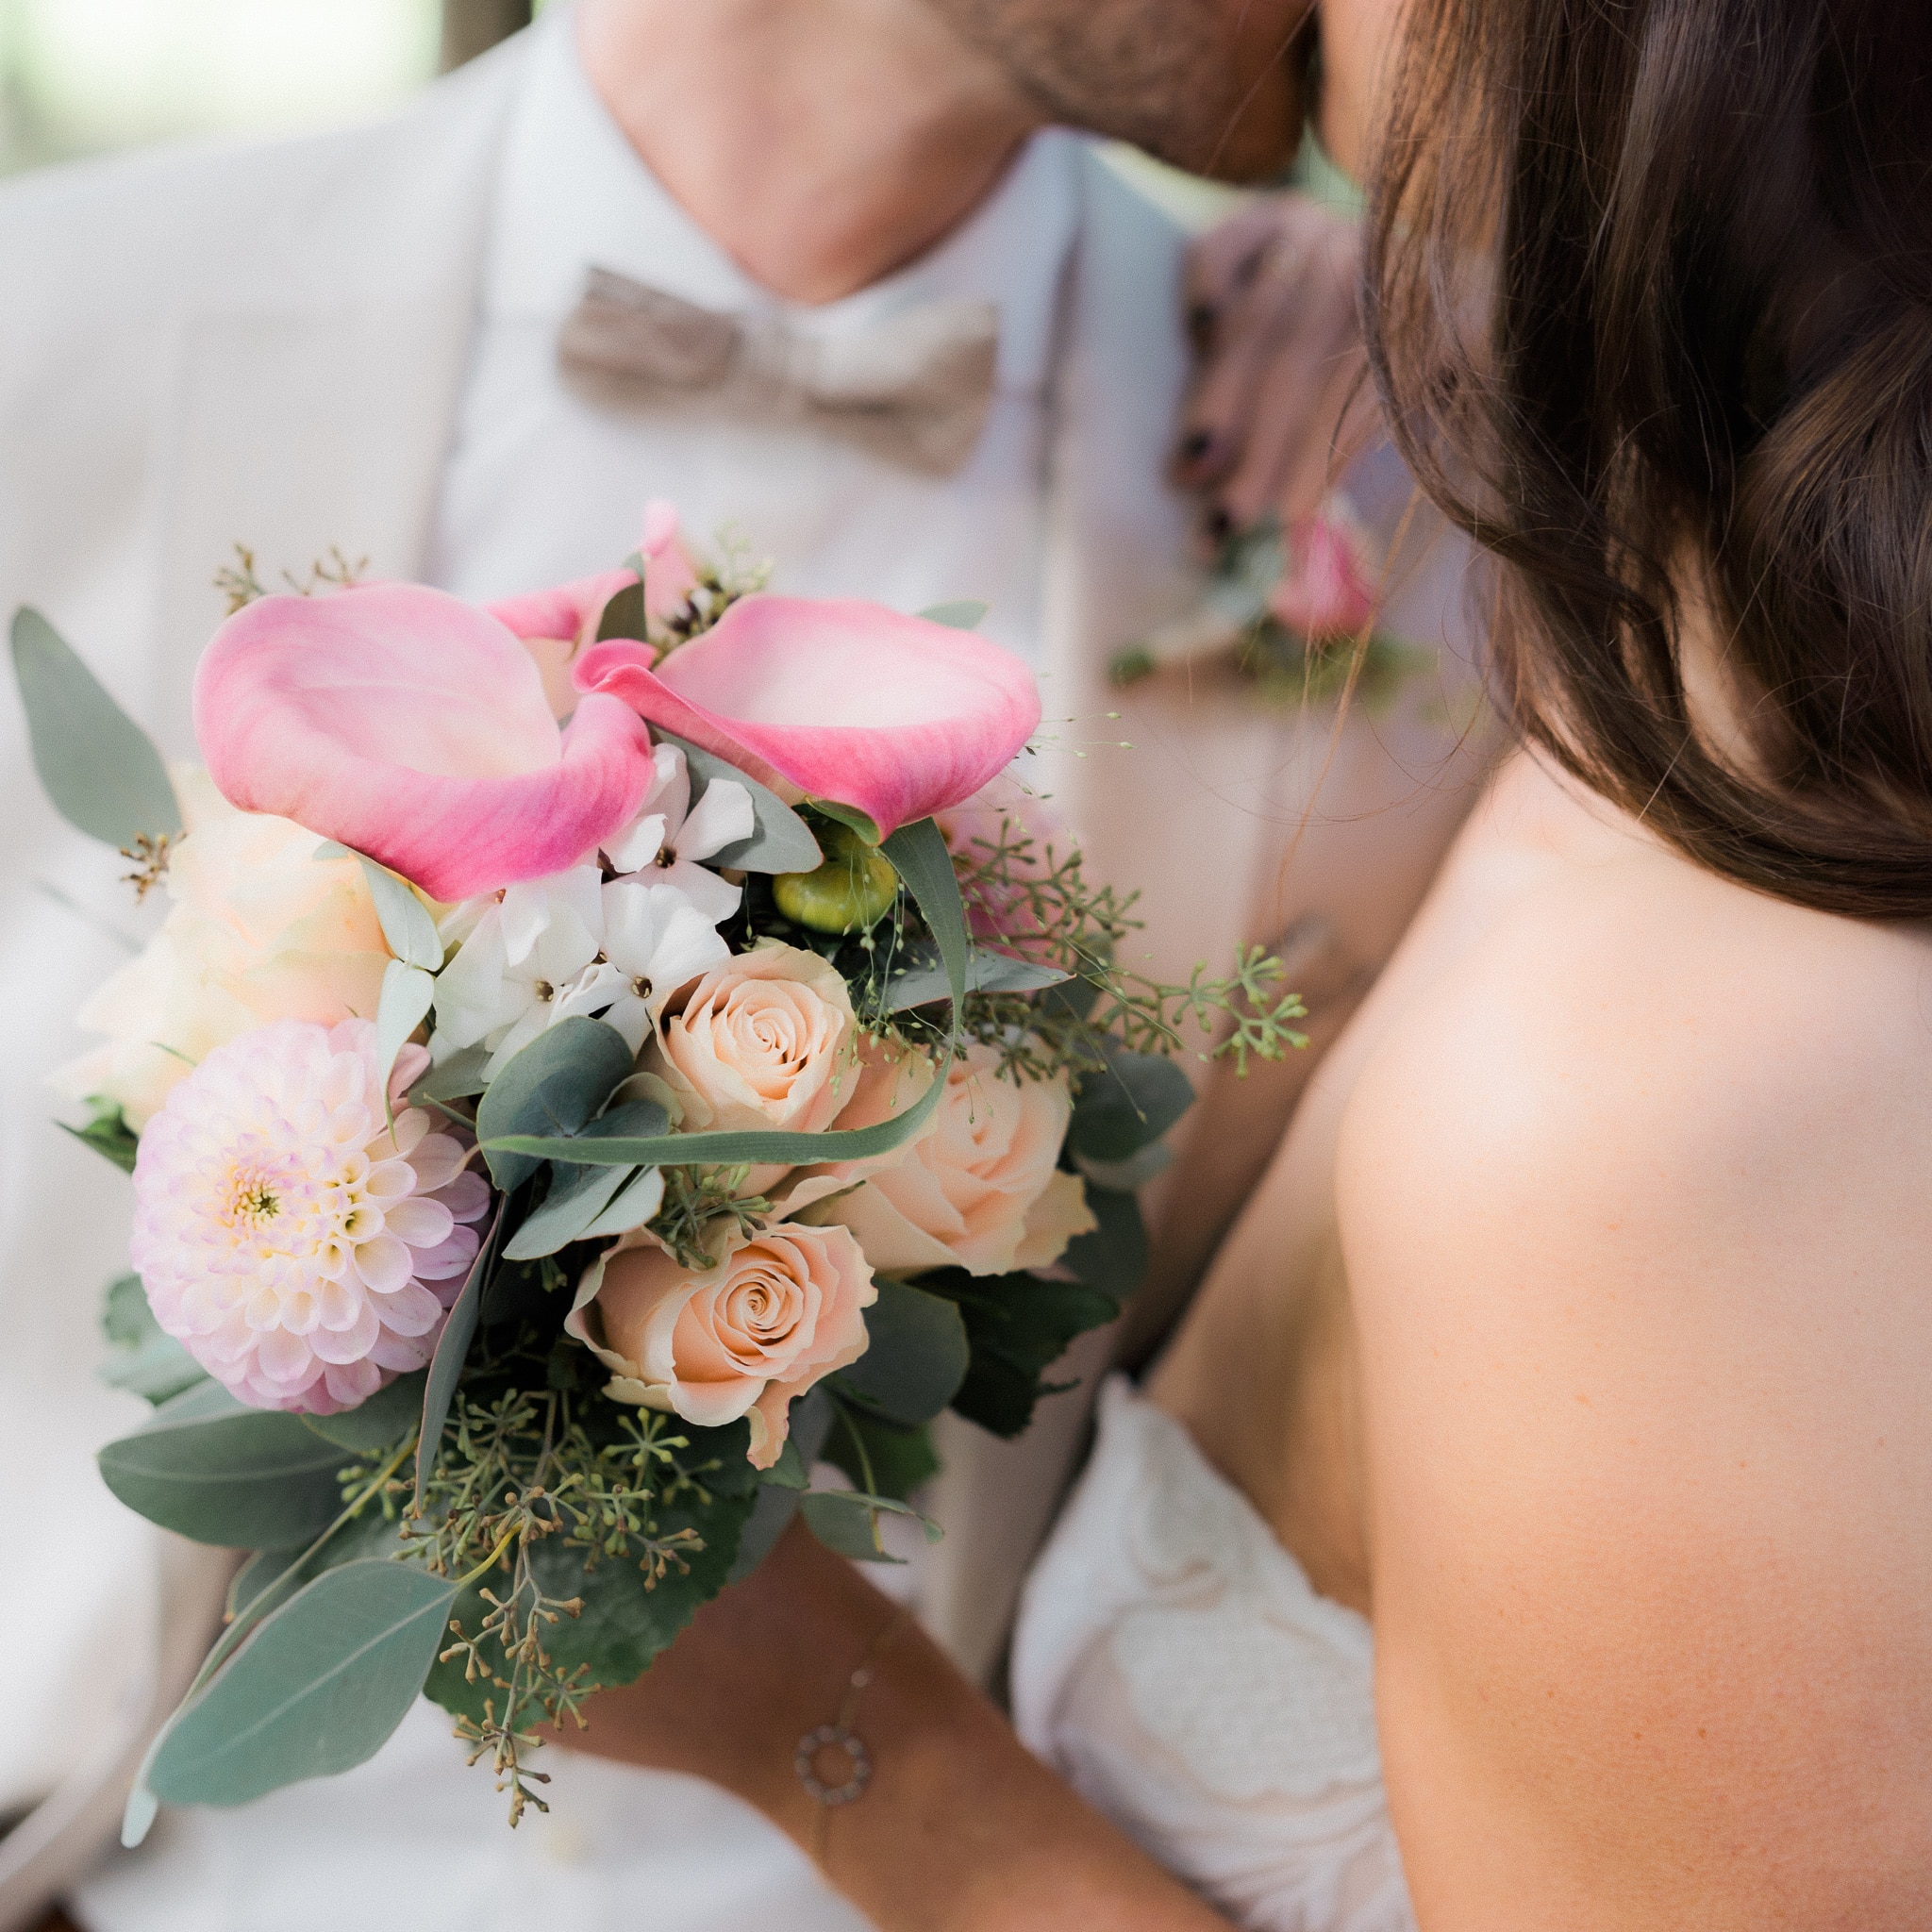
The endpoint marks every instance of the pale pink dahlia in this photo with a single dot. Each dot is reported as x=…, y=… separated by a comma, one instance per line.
x=301, y=1251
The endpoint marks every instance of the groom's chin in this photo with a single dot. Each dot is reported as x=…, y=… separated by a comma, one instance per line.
x=1212, y=86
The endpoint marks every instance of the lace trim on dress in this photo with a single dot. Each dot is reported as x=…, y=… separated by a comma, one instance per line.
x=1174, y=1664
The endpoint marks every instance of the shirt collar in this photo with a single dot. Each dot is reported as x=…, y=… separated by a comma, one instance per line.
x=574, y=195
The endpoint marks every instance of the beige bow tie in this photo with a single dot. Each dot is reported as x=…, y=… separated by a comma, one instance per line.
x=913, y=389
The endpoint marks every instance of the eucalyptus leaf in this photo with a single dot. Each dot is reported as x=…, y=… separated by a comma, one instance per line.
x=922, y=977
x=916, y=1359
x=407, y=992
x=452, y=1346
x=214, y=1471
x=1118, y=1112
x=580, y=1196
x=319, y=1688
x=963, y=613
x=789, y=1471
x=270, y=1577
x=640, y=1198
x=146, y=1361
x=157, y=1369
x=406, y=922
x=772, y=1511
x=554, y=1087
x=98, y=766
x=459, y=1077
x=847, y=1522
x=384, y=1419
x=576, y=1198
x=851, y=817
x=782, y=841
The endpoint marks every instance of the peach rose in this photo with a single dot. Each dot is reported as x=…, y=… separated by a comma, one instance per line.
x=777, y=1311
x=980, y=1190
x=765, y=1040
x=257, y=931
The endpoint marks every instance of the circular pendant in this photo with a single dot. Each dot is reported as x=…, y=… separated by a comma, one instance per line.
x=832, y=1738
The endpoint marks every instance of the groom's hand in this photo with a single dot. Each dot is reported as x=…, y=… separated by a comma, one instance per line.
x=1280, y=398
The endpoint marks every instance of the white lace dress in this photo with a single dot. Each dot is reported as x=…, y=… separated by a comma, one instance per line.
x=1172, y=1662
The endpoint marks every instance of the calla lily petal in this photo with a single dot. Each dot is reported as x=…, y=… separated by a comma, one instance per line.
x=838, y=699
x=567, y=611
x=412, y=727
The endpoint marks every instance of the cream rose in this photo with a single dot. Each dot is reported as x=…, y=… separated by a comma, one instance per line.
x=776, y=1312
x=258, y=931
x=765, y=1040
x=979, y=1188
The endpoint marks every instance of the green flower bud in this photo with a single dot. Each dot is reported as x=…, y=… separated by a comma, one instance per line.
x=853, y=889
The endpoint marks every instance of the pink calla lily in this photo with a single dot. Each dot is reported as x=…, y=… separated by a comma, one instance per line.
x=567, y=612
x=838, y=700
x=412, y=727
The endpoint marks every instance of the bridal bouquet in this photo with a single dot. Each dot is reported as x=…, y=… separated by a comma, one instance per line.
x=549, y=1143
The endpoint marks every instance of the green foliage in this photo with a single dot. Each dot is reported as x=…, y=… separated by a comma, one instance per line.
x=623, y=614
x=697, y=1201
x=721, y=582
x=914, y=976
x=847, y=1521
x=452, y=1353
x=406, y=922
x=963, y=614
x=1040, y=899
x=217, y=1473
x=458, y=1077
x=381, y=1422
x=98, y=767
x=1113, y=1258
x=144, y=1361
x=554, y=1086
x=585, y=1536
x=916, y=1359
x=1019, y=1326
x=579, y=1197
x=107, y=1132
x=1127, y=1104
x=879, y=1456
x=319, y=1687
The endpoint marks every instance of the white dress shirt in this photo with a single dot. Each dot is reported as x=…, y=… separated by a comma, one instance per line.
x=542, y=486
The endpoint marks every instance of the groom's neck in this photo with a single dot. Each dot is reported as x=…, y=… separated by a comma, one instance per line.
x=822, y=144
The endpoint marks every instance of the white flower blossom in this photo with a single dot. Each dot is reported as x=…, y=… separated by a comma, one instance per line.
x=570, y=944
x=655, y=941
x=669, y=836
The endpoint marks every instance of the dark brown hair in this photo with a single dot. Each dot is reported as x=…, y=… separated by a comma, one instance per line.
x=1649, y=298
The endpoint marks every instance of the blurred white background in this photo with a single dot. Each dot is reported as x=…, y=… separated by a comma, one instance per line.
x=88, y=76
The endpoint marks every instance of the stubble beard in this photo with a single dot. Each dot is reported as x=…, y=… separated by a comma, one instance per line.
x=1161, y=74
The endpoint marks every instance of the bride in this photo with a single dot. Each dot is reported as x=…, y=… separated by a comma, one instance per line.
x=1530, y=1526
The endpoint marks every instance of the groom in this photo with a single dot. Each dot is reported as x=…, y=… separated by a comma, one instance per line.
x=829, y=271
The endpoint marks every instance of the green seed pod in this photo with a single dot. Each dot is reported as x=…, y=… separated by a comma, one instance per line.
x=853, y=889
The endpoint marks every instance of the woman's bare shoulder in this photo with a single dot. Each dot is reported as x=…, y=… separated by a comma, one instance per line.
x=1637, y=1216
